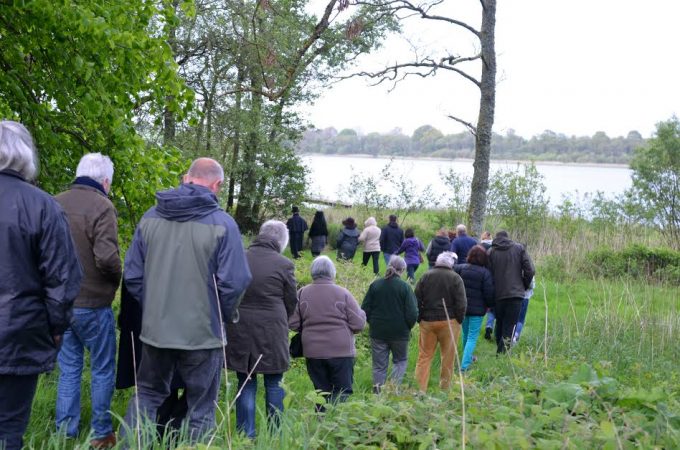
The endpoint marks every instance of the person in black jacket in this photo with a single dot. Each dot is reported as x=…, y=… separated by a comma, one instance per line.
x=39, y=280
x=437, y=246
x=391, y=237
x=318, y=233
x=512, y=272
x=479, y=291
x=296, y=229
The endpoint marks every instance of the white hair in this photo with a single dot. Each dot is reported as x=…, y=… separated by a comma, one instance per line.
x=277, y=230
x=461, y=228
x=96, y=166
x=17, y=151
x=323, y=267
x=370, y=221
x=446, y=259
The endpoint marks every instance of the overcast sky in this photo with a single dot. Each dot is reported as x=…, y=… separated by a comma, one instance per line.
x=571, y=66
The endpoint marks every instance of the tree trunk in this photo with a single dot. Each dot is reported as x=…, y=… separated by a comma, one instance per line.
x=240, y=77
x=169, y=121
x=487, y=106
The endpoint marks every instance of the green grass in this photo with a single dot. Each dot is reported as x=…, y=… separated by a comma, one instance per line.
x=597, y=367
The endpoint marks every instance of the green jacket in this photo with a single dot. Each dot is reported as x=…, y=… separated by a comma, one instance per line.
x=391, y=309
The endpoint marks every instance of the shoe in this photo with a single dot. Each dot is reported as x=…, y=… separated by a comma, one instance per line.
x=104, y=442
x=487, y=334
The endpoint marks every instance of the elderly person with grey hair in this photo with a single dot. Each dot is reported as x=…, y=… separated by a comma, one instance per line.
x=262, y=330
x=328, y=317
x=441, y=310
x=39, y=280
x=94, y=228
x=391, y=312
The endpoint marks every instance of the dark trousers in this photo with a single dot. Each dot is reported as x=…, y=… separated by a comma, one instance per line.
x=333, y=376
x=296, y=240
x=507, y=313
x=16, y=396
x=199, y=369
x=374, y=255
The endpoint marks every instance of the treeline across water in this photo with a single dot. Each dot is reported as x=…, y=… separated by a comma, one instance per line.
x=428, y=141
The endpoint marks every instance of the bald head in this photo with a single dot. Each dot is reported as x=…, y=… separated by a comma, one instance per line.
x=205, y=172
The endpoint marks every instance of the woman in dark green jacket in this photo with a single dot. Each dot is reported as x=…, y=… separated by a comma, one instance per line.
x=391, y=312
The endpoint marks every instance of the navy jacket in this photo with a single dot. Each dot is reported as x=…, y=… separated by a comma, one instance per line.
x=462, y=245
x=391, y=238
x=39, y=276
x=296, y=224
x=479, y=288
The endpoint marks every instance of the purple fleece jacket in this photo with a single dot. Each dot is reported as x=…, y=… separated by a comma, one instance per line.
x=411, y=246
x=330, y=318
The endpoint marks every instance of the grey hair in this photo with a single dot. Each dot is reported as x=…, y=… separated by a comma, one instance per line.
x=96, y=166
x=323, y=267
x=461, y=228
x=370, y=221
x=206, y=169
x=395, y=267
x=277, y=230
x=17, y=150
x=446, y=259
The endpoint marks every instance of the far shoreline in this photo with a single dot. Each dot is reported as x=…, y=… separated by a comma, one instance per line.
x=498, y=161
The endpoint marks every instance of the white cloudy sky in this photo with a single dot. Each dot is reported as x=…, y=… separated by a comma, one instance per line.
x=571, y=66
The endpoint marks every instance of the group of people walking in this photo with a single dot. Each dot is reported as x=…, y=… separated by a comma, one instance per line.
x=194, y=301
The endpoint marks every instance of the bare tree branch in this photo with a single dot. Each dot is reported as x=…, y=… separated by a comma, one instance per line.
x=471, y=128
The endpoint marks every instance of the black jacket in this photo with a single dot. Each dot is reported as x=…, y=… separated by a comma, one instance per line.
x=479, y=288
x=391, y=238
x=511, y=268
x=39, y=276
x=267, y=304
x=296, y=224
x=437, y=246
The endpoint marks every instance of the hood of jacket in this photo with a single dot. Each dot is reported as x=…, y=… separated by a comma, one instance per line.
x=352, y=232
x=265, y=242
x=393, y=224
x=442, y=240
x=185, y=203
x=502, y=243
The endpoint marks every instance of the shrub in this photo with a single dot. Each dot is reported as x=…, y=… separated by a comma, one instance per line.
x=635, y=261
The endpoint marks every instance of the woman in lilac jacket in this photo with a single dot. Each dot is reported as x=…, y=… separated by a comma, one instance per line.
x=411, y=247
x=328, y=316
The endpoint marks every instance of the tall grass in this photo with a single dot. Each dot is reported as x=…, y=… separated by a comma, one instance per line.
x=625, y=331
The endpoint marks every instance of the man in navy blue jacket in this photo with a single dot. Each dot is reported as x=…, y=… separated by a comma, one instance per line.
x=39, y=280
x=296, y=231
x=462, y=244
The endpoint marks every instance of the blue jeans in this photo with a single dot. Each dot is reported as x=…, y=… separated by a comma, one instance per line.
x=387, y=257
x=411, y=271
x=471, y=327
x=92, y=329
x=380, y=355
x=490, y=319
x=245, y=403
x=522, y=318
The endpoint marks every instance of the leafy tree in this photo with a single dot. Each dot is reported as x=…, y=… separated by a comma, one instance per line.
x=656, y=178
x=75, y=72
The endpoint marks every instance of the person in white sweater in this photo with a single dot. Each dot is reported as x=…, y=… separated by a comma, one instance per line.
x=371, y=240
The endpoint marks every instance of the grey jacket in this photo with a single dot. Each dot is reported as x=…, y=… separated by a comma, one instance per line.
x=186, y=265
x=330, y=317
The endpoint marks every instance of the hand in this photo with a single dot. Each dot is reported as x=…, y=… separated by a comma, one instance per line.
x=58, y=340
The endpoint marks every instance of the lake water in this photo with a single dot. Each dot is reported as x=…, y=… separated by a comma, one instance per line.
x=330, y=174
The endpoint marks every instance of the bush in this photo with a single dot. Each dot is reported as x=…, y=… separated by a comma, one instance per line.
x=635, y=261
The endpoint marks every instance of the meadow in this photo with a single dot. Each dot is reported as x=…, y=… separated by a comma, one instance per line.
x=598, y=366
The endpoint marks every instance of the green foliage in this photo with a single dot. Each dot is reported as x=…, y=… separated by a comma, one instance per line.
x=519, y=197
x=656, y=178
x=74, y=73
x=636, y=261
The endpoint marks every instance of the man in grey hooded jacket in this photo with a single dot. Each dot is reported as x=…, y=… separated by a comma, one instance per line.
x=187, y=268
